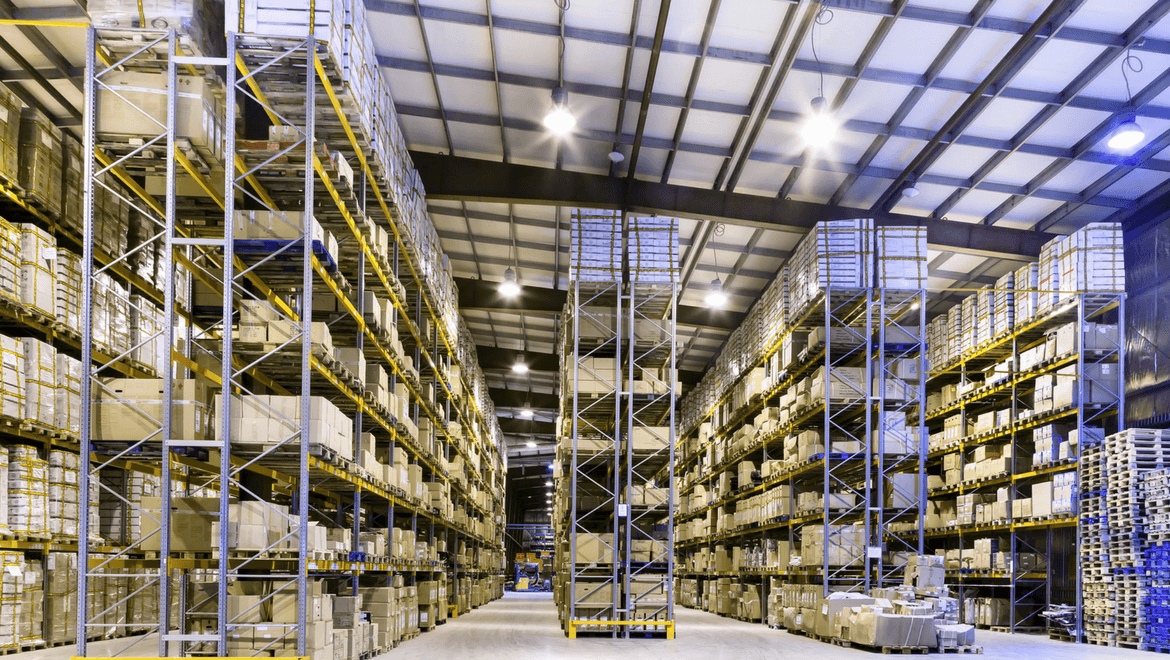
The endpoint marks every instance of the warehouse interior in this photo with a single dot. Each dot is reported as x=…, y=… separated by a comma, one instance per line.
x=360, y=328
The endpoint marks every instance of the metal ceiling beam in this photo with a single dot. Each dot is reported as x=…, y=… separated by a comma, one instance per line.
x=1132, y=35
x=514, y=426
x=46, y=47
x=932, y=74
x=773, y=78
x=885, y=76
x=541, y=266
x=962, y=289
x=1156, y=200
x=29, y=99
x=491, y=357
x=648, y=88
x=825, y=165
x=1148, y=150
x=435, y=209
x=450, y=177
x=692, y=87
x=47, y=74
x=517, y=398
x=1151, y=91
x=482, y=296
x=871, y=48
x=36, y=77
x=876, y=7
x=627, y=71
x=51, y=13
x=977, y=101
x=496, y=77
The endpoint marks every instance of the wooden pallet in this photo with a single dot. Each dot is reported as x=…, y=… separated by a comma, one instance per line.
x=906, y=650
x=961, y=649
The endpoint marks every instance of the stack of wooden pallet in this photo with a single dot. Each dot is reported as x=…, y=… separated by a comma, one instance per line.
x=1131, y=455
x=1099, y=593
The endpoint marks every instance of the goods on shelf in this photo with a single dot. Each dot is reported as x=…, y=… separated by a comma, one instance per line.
x=40, y=382
x=10, y=107
x=60, y=597
x=38, y=270
x=11, y=598
x=41, y=160
x=64, y=493
x=198, y=22
x=28, y=506
x=68, y=289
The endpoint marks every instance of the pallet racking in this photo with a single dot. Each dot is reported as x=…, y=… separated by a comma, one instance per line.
x=441, y=436
x=821, y=420
x=614, y=467
x=1028, y=588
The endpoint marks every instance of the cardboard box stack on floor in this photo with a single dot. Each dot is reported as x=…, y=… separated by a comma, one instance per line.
x=60, y=597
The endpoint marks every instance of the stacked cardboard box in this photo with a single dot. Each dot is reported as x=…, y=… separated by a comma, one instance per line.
x=68, y=289
x=653, y=249
x=286, y=226
x=199, y=23
x=64, y=494
x=130, y=409
x=846, y=545
x=27, y=491
x=41, y=157
x=597, y=248
x=11, y=598
x=11, y=377
x=835, y=254
x=67, y=403
x=10, y=107
x=32, y=612
x=10, y=289
x=135, y=104
x=40, y=382
x=1092, y=259
x=148, y=345
x=60, y=597
x=38, y=270
x=901, y=257
x=123, y=496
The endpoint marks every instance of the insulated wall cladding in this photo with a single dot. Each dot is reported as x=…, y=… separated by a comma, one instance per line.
x=1147, y=332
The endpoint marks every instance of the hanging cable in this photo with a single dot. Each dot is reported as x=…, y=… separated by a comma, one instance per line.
x=718, y=232
x=1132, y=63
x=563, y=6
x=824, y=17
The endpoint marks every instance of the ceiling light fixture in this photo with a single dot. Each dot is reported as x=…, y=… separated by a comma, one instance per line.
x=548, y=482
x=616, y=157
x=526, y=412
x=550, y=466
x=820, y=127
x=531, y=444
x=716, y=297
x=509, y=288
x=520, y=367
x=1126, y=132
x=910, y=191
x=560, y=120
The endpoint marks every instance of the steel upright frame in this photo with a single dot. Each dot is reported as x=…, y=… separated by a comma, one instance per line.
x=901, y=336
x=154, y=50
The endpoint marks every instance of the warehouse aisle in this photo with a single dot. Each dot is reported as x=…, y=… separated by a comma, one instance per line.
x=524, y=627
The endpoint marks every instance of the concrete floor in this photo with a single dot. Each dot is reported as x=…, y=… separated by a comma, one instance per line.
x=524, y=627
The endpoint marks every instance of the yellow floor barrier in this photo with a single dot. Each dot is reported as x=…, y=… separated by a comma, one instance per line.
x=655, y=624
